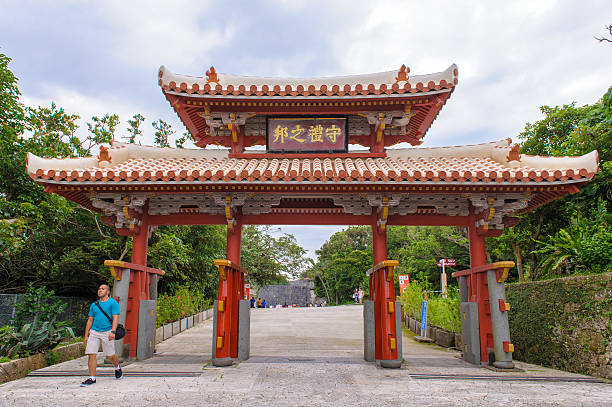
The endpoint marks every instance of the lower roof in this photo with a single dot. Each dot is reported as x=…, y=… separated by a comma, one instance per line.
x=489, y=163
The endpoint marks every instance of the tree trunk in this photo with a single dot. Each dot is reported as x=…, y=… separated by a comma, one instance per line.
x=326, y=290
x=536, y=235
x=519, y=262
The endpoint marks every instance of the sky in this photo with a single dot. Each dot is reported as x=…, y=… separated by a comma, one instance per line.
x=93, y=58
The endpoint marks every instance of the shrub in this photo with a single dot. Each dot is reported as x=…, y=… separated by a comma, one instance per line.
x=441, y=312
x=52, y=358
x=183, y=303
x=32, y=338
x=412, y=299
x=37, y=304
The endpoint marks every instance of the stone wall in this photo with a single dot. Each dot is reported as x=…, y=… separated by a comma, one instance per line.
x=18, y=368
x=564, y=323
x=296, y=292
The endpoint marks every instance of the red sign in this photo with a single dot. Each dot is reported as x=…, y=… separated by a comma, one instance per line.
x=447, y=262
x=404, y=281
x=307, y=134
x=247, y=291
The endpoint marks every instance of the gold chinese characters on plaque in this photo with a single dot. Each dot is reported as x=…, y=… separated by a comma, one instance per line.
x=307, y=134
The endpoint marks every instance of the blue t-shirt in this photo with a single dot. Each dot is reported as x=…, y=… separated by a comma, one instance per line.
x=100, y=322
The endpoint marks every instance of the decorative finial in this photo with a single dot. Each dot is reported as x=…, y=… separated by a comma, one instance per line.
x=104, y=159
x=211, y=75
x=402, y=75
x=513, y=154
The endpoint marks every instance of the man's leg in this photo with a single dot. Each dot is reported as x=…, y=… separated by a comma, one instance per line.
x=114, y=359
x=92, y=363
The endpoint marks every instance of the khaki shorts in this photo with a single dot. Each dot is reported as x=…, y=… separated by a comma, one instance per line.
x=95, y=339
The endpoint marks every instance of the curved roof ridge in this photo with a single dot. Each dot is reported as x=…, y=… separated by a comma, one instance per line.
x=400, y=80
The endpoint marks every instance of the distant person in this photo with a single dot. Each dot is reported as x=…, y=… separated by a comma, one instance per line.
x=285, y=305
x=263, y=303
x=259, y=303
x=355, y=296
x=99, y=330
x=252, y=302
x=360, y=294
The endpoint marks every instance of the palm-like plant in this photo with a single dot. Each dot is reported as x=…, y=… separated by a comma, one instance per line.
x=34, y=337
x=562, y=248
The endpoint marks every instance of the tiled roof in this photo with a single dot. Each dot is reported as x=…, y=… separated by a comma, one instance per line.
x=384, y=83
x=496, y=162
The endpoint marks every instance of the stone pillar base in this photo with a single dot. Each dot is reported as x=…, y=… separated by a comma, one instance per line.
x=390, y=364
x=222, y=362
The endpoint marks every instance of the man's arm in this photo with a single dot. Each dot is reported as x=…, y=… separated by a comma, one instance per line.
x=111, y=335
x=87, y=328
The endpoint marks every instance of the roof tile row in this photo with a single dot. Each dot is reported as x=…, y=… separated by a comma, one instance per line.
x=446, y=169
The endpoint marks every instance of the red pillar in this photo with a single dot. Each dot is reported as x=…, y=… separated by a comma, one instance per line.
x=139, y=287
x=478, y=288
x=382, y=292
x=233, y=242
x=231, y=291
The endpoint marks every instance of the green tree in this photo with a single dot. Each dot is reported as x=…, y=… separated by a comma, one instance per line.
x=163, y=131
x=270, y=260
x=565, y=130
x=342, y=262
x=134, y=131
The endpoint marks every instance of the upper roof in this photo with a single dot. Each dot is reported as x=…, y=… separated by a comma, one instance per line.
x=231, y=110
x=384, y=83
x=496, y=162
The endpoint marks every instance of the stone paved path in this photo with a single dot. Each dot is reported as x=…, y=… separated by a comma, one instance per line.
x=304, y=357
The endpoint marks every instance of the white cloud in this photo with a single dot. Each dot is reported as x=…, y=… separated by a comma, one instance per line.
x=147, y=35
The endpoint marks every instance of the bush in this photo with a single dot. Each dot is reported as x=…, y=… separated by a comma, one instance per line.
x=441, y=312
x=38, y=304
x=32, y=338
x=444, y=313
x=412, y=299
x=183, y=303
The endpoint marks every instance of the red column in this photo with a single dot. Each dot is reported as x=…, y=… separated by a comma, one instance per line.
x=379, y=240
x=229, y=295
x=382, y=292
x=139, y=289
x=478, y=288
x=233, y=242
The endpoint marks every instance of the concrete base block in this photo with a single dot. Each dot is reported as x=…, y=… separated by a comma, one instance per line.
x=412, y=324
x=189, y=322
x=244, y=330
x=183, y=324
x=159, y=335
x=458, y=341
x=222, y=362
x=445, y=338
x=176, y=328
x=369, y=340
x=167, y=331
x=146, y=329
x=423, y=339
x=470, y=332
x=214, y=335
x=398, y=332
x=431, y=332
x=390, y=364
x=503, y=364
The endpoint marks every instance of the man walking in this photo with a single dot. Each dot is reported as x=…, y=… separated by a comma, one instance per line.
x=101, y=331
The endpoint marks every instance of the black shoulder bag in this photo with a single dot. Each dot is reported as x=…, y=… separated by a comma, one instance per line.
x=120, y=330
